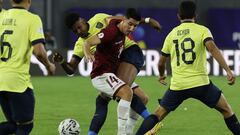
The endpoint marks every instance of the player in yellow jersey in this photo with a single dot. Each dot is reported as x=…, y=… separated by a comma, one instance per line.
x=21, y=34
x=186, y=46
x=132, y=60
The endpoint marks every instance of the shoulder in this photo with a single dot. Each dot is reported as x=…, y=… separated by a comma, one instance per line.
x=101, y=15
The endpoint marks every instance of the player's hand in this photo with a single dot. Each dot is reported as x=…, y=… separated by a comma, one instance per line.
x=89, y=58
x=57, y=57
x=162, y=80
x=51, y=68
x=155, y=24
x=230, y=77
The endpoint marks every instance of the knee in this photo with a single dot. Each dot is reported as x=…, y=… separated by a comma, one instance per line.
x=125, y=93
x=226, y=111
x=24, y=127
x=145, y=99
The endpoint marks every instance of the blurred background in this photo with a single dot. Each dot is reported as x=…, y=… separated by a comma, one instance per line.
x=222, y=17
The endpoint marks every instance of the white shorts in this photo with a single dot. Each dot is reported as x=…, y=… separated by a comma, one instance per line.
x=107, y=83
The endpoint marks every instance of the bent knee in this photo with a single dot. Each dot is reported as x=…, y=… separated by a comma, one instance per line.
x=125, y=93
x=145, y=99
x=25, y=123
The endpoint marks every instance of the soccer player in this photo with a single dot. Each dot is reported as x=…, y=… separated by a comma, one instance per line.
x=186, y=46
x=21, y=34
x=110, y=42
x=132, y=60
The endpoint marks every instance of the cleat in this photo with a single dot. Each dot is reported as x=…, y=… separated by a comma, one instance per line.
x=155, y=129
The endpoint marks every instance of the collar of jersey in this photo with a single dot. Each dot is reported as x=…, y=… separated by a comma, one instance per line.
x=18, y=7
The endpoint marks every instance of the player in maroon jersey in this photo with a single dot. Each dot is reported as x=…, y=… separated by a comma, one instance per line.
x=110, y=42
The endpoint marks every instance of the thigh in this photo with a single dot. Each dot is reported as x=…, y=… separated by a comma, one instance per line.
x=22, y=105
x=172, y=99
x=108, y=83
x=139, y=92
x=4, y=102
x=208, y=94
x=134, y=56
x=127, y=72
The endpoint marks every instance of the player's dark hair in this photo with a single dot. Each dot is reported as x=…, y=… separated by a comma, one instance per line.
x=71, y=19
x=17, y=1
x=187, y=10
x=133, y=13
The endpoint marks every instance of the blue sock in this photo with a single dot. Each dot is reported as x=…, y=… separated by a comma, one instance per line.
x=233, y=124
x=147, y=124
x=138, y=106
x=24, y=129
x=145, y=114
x=91, y=133
x=99, y=115
x=7, y=128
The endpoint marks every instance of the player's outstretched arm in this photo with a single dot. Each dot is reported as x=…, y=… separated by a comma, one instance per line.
x=41, y=55
x=161, y=69
x=213, y=49
x=152, y=22
x=70, y=67
x=148, y=20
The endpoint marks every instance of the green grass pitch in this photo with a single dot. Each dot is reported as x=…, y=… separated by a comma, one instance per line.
x=58, y=98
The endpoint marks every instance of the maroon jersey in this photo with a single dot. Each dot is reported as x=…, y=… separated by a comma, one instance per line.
x=108, y=52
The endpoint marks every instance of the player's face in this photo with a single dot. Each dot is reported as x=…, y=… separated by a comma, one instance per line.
x=129, y=25
x=80, y=28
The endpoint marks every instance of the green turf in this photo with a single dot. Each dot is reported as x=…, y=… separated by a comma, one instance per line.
x=58, y=98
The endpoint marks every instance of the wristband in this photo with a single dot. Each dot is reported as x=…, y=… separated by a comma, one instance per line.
x=147, y=20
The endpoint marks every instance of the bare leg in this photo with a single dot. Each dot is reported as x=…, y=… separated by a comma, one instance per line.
x=230, y=118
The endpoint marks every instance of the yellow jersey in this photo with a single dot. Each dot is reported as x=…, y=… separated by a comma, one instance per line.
x=185, y=45
x=19, y=30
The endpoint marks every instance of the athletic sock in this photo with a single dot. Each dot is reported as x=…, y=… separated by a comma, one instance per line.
x=7, y=128
x=147, y=124
x=123, y=114
x=24, y=129
x=138, y=106
x=233, y=124
x=131, y=122
x=99, y=116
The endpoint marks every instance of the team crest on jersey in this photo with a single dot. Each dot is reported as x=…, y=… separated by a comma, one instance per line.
x=99, y=25
x=101, y=35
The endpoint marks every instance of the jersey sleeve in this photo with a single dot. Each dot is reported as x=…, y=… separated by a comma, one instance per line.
x=36, y=31
x=165, y=49
x=108, y=34
x=207, y=35
x=78, y=48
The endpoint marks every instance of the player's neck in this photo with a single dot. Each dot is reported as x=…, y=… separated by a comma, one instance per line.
x=21, y=6
x=187, y=20
x=120, y=26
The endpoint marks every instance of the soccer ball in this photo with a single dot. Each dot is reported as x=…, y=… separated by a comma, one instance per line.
x=69, y=127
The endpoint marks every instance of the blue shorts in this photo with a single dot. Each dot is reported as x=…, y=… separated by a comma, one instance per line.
x=133, y=55
x=208, y=94
x=18, y=107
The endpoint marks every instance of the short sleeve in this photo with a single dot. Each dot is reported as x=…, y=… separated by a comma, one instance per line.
x=78, y=48
x=165, y=49
x=207, y=35
x=36, y=31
